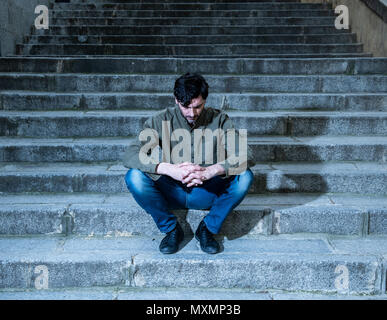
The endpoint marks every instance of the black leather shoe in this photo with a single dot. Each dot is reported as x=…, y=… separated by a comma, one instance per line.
x=207, y=242
x=170, y=243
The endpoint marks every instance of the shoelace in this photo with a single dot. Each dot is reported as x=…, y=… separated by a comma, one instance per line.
x=173, y=235
x=204, y=232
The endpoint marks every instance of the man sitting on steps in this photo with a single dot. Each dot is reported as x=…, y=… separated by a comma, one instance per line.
x=218, y=183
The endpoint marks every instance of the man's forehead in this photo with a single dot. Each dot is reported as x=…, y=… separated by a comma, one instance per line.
x=196, y=105
x=197, y=102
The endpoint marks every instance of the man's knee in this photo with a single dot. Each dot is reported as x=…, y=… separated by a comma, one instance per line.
x=244, y=181
x=136, y=180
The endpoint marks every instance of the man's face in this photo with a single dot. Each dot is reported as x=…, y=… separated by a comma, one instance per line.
x=194, y=109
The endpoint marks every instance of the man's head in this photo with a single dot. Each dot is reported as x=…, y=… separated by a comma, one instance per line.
x=191, y=91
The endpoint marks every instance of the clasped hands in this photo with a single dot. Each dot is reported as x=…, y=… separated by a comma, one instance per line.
x=188, y=173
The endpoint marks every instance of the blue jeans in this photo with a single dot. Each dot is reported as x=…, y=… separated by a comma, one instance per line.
x=158, y=197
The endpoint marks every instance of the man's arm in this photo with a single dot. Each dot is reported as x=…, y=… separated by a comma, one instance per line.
x=233, y=164
x=131, y=158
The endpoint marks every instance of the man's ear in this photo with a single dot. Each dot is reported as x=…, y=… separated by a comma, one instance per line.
x=176, y=101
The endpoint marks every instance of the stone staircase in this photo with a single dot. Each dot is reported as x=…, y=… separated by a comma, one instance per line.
x=315, y=105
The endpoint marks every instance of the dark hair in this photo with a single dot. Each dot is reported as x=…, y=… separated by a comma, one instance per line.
x=190, y=86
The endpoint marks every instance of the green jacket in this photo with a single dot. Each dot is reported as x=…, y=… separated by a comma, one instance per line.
x=209, y=118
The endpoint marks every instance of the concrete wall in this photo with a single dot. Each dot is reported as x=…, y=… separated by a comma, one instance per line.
x=16, y=19
x=370, y=28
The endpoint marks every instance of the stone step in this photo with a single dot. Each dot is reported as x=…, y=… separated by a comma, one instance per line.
x=310, y=265
x=233, y=57
x=264, y=148
x=177, y=50
x=56, y=124
x=110, y=215
x=122, y=293
x=38, y=100
x=174, y=1
x=154, y=294
x=201, y=39
x=193, y=5
x=190, y=13
x=148, y=65
x=209, y=21
x=131, y=30
x=284, y=177
x=218, y=83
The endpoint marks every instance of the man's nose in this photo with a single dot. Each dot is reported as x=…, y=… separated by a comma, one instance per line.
x=191, y=112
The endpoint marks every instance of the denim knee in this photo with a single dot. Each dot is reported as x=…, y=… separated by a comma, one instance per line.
x=136, y=180
x=244, y=181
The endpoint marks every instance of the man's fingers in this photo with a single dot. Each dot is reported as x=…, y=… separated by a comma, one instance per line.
x=191, y=177
x=188, y=171
x=184, y=164
x=191, y=166
x=194, y=182
x=195, y=168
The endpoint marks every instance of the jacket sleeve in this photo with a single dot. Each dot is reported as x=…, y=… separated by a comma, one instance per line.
x=237, y=159
x=139, y=150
